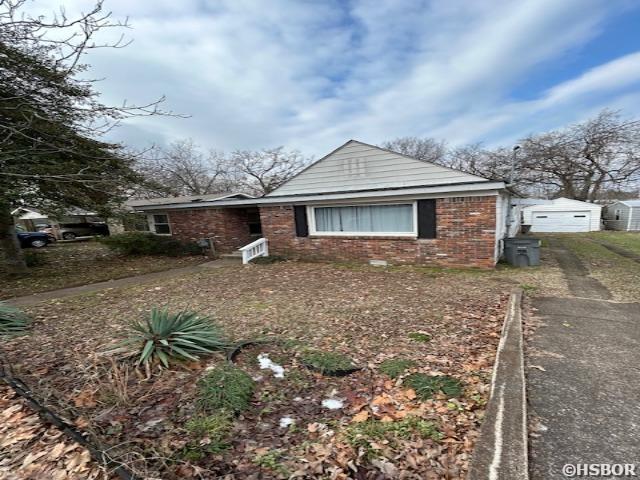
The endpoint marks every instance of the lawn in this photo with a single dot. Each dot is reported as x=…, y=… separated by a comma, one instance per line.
x=373, y=422
x=78, y=263
x=618, y=274
x=627, y=240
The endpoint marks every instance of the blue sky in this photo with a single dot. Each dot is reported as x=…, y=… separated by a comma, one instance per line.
x=312, y=74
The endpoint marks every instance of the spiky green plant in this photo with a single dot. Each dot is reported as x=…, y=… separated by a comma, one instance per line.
x=394, y=367
x=13, y=321
x=168, y=336
x=428, y=385
x=225, y=388
x=327, y=363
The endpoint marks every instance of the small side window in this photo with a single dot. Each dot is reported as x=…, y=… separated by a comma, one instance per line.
x=161, y=224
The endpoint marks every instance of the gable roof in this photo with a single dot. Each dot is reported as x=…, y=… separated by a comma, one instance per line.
x=135, y=203
x=358, y=166
x=630, y=203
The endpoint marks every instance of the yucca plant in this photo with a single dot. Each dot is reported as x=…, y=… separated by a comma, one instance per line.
x=168, y=336
x=13, y=321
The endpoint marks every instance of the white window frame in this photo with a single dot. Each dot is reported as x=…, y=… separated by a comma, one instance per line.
x=311, y=219
x=152, y=223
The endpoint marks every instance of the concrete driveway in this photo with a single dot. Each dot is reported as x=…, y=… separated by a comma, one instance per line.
x=583, y=378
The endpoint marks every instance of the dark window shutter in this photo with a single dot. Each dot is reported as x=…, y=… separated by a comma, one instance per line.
x=300, y=214
x=426, y=219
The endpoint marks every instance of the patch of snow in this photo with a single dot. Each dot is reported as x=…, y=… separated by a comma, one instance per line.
x=332, y=403
x=286, y=422
x=265, y=362
x=297, y=399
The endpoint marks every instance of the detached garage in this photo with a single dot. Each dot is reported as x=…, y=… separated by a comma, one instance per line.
x=562, y=215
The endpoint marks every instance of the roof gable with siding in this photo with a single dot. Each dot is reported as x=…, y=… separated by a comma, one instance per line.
x=357, y=166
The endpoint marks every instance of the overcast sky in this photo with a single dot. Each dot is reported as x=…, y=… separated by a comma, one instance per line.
x=312, y=74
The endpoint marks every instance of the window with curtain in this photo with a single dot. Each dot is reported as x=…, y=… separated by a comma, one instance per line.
x=393, y=219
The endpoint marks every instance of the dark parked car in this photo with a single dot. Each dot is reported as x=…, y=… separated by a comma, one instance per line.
x=69, y=231
x=33, y=239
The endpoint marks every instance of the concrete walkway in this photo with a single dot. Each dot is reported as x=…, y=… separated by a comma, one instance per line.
x=120, y=282
x=501, y=450
x=583, y=380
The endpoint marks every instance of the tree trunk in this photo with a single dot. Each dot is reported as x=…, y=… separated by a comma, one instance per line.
x=14, y=260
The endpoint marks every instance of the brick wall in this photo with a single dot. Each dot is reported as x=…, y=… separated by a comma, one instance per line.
x=227, y=226
x=465, y=237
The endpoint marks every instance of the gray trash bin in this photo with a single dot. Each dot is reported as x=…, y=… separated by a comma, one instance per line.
x=522, y=251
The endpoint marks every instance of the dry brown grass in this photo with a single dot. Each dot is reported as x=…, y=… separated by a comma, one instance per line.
x=80, y=263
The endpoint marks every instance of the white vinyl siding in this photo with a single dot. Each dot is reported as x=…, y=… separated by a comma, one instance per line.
x=159, y=223
x=357, y=166
x=634, y=219
x=363, y=220
x=623, y=217
x=507, y=222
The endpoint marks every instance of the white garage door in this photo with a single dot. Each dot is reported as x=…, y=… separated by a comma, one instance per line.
x=561, y=221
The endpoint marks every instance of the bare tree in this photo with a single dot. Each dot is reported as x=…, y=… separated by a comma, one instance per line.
x=584, y=159
x=183, y=169
x=425, y=149
x=263, y=171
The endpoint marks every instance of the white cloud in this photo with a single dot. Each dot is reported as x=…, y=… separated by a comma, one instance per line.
x=310, y=75
x=609, y=77
x=612, y=85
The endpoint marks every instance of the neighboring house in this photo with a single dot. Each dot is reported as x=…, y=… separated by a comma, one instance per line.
x=562, y=215
x=623, y=215
x=360, y=202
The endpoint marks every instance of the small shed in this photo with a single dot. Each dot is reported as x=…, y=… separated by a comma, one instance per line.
x=623, y=215
x=562, y=215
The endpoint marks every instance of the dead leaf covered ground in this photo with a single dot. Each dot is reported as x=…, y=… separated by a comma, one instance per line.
x=364, y=313
x=32, y=449
x=381, y=429
x=63, y=265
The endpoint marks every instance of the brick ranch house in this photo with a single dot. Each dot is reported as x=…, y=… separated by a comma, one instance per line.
x=360, y=202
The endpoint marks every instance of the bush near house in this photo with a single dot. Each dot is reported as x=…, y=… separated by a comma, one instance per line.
x=142, y=243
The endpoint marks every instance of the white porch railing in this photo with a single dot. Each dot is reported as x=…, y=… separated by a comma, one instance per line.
x=259, y=248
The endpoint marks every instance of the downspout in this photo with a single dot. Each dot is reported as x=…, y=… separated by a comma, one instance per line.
x=510, y=185
x=629, y=220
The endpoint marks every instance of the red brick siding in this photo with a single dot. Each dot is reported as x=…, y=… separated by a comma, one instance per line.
x=227, y=226
x=465, y=237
